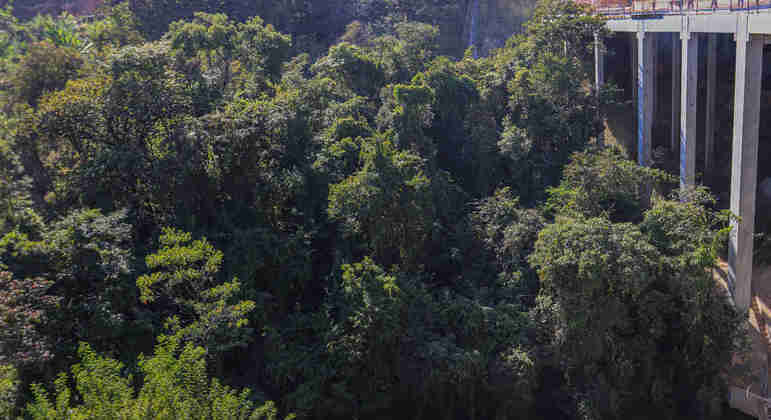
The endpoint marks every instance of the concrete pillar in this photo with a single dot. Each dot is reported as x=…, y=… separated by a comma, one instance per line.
x=709, y=120
x=654, y=46
x=689, y=78
x=599, y=79
x=645, y=97
x=633, y=56
x=675, y=134
x=744, y=162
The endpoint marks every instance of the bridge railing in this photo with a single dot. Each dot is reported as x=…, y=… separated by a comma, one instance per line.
x=626, y=8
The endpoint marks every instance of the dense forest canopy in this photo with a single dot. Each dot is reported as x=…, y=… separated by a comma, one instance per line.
x=202, y=218
x=317, y=24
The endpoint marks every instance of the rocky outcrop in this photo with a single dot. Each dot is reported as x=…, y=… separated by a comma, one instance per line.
x=494, y=21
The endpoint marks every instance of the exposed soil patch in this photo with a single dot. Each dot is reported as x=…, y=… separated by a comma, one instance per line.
x=751, y=370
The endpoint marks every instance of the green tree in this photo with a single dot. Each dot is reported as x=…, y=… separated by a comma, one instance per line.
x=211, y=36
x=10, y=43
x=123, y=139
x=261, y=49
x=205, y=310
x=82, y=260
x=149, y=150
x=44, y=68
x=117, y=27
x=219, y=41
x=387, y=203
x=508, y=232
x=616, y=297
x=460, y=146
x=62, y=31
x=143, y=93
x=89, y=257
x=25, y=307
x=174, y=385
x=16, y=189
x=9, y=385
x=265, y=208
x=407, y=111
x=387, y=337
x=370, y=335
x=406, y=51
x=67, y=133
x=606, y=184
x=549, y=114
x=349, y=66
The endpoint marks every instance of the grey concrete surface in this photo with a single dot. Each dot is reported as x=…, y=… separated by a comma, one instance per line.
x=744, y=165
x=689, y=78
x=645, y=96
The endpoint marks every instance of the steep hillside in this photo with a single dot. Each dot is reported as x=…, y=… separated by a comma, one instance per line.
x=316, y=24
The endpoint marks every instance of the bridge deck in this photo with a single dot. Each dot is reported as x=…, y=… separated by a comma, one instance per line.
x=707, y=16
x=719, y=22
x=623, y=8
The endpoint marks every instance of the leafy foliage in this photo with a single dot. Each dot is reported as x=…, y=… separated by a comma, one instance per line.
x=25, y=306
x=174, y=386
x=220, y=41
x=118, y=26
x=9, y=384
x=186, y=274
x=620, y=294
x=367, y=229
x=606, y=184
x=508, y=232
x=80, y=260
x=44, y=68
x=387, y=203
x=393, y=340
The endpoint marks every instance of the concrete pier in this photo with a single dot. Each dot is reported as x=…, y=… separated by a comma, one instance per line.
x=688, y=96
x=709, y=117
x=744, y=164
x=633, y=64
x=751, y=31
x=645, y=97
x=654, y=82
x=675, y=127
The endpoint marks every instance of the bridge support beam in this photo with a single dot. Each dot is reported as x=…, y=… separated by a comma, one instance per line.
x=744, y=164
x=688, y=95
x=676, y=57
x=709, y=120
x=645, y=97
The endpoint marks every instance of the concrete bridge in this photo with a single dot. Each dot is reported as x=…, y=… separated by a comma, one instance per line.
x=645, y=30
